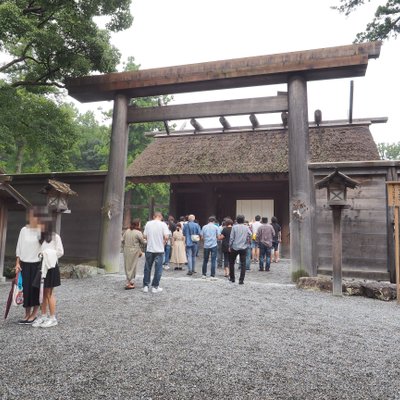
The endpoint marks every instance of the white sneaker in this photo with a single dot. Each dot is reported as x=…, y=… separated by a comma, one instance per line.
x=145, y=289
x=156, y=290
x=39, y=321
x=49, y=323
x=204, y=277
x=166, y=267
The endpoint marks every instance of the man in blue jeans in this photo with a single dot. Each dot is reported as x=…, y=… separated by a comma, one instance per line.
x=209, y=234
x=191, y=231
x=156, y=232
x=265, y=234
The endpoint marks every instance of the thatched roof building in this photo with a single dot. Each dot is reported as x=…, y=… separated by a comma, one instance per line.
x=182, y=158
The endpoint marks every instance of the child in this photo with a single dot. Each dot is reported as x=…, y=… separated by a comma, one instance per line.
x=51, y=250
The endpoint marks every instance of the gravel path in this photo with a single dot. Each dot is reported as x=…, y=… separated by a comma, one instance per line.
x=203, y=339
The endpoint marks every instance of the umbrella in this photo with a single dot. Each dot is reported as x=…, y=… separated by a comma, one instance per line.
x=10, y=298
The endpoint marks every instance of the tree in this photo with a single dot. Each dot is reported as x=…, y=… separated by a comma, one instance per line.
x=389, y=151
x=48, y=40
x=36, y=132
x=91, y=148
x=385, y=24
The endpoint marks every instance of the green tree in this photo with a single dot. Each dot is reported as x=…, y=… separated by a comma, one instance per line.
x=91, y=148
x=389, y=151
x=48, y=40
x=36, y=132
x=385, y=24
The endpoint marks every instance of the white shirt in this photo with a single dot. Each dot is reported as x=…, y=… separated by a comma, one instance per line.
x=155, y=231
x=28, y=246
x=255, y=225
x=51, y=252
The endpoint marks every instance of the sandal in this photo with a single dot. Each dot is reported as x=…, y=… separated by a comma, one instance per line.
x=130, y=286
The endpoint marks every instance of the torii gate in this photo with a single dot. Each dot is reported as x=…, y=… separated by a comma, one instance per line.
x=295, y=69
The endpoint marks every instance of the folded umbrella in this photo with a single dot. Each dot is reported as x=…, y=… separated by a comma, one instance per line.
x=10, y=298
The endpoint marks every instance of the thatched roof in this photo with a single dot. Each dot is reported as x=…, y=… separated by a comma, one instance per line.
x=261, y=152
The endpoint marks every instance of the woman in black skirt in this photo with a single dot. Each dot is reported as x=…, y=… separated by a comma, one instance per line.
x=51, y=249
x=28, y=263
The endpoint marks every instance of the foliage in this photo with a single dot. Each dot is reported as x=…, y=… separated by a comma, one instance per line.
x=386, y=22
x=141, y=194
x=36, y=133
x=296, y=275
x=48, y=40
x=389, y=151
x=91, y=149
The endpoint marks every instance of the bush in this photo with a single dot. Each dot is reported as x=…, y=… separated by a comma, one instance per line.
x=296, y=275
x=9, y=271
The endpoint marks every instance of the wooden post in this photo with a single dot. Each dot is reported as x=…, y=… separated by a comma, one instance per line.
x=113, y=201
x=337, y=250
x=127, y=209
x=3, y=234
x=301, y=191
x=151, y=208
x=397, y=250
x=393, y=197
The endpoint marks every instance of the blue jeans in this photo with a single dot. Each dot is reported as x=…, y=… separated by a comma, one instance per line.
x=191, y=256
x=213, y=251
x=167, y=253
x=248, y=258
x=157, y=259
x=265, y=252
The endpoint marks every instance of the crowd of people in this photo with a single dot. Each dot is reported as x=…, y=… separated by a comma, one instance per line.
x=168, y=241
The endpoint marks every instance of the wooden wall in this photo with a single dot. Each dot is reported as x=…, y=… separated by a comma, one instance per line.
x=366, y=225
x=80, y=230
x=363, y=226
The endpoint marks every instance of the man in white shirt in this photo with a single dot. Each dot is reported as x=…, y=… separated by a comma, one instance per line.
x=255, y=251
x=156, y=233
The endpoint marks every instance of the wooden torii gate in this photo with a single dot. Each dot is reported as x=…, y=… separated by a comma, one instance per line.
x=295, y=69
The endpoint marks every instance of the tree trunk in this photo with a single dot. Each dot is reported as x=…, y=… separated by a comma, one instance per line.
x=20, y=156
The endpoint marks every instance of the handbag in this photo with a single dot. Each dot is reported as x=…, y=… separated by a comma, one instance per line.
x=195, y=238
x=18, y=294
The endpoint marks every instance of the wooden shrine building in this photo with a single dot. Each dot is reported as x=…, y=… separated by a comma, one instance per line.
x=294, y=69
x=210, y=173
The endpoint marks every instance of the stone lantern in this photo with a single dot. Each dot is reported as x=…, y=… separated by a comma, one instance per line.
x=337, y=184
x=57, y=199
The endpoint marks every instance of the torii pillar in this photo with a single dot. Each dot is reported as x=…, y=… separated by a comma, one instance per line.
x=301, y=190
x=114, y=189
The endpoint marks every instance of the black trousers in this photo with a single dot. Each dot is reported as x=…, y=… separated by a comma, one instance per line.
x=232, y=257
x=31, y=293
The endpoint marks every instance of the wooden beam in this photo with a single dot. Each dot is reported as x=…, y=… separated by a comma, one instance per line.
x=254, y=121
x=196, y=125
x=258, y=105
x=224, y=122
x=318, y=64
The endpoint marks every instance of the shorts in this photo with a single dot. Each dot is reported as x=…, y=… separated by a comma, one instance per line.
x=275, y=246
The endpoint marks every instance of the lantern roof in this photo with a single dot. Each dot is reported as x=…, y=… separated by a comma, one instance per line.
x=337, y=177
x=58, y=186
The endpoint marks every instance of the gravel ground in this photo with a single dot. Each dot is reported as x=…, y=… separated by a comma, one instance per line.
x=203, y=339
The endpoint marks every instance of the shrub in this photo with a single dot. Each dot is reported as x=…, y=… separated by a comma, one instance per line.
x=296, y=275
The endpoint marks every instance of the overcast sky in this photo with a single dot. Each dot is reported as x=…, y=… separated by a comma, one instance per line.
x=177, y=32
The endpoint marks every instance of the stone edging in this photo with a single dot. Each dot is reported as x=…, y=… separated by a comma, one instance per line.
x=375, y=290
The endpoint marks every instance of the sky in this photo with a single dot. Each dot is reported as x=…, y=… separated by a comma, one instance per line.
x=177, y=32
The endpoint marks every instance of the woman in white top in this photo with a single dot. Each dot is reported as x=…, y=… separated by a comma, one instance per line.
x=51, y=249
x=28, y=263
